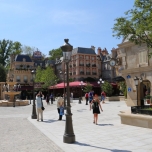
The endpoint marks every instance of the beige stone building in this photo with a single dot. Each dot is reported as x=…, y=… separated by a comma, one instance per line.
x=134, y=63
x=20, y=69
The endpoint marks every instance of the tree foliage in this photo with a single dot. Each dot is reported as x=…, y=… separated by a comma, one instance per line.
x=107, y=88
x=2, y=74
x=17, y=48
x=123, y=88
x=87, y=88
x=46, y=76
x=28, y=50
x=136, y=25
x=55, y=53
x=5, y=51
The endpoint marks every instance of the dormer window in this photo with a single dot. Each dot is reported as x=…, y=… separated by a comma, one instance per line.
x=24, y=60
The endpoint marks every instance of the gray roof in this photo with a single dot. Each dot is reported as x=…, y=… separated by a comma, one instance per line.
x=83, y=50
x=20, y=57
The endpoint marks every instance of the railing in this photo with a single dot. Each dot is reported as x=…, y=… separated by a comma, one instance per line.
x=74, y=73
x=87, y=73
x=17, y=80
x=81, y=73
x=87, y=65
x=81, y=64
x=93, y=65
x=93, y=73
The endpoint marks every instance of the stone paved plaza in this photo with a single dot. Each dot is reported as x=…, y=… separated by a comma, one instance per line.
x=20, y=133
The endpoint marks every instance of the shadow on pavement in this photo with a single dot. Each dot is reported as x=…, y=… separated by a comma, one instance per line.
x=112, y=150
x=105, y=125
x=51, y=121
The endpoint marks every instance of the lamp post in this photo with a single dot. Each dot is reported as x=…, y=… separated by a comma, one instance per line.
x=34, y=116
x=64, y=88
x=100, y=81
x=68, y=136
x=81, y=83
x=136, y=79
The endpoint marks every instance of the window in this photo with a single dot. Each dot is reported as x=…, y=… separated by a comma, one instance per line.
x=25, y=77
x=24, y=60
x=142, y=57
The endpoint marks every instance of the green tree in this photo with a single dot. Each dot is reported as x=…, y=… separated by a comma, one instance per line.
x=123, y=88
x=46, y=76
x=16, y=48
x=39, y=73
x=2, y=74
x=28, y=50
x=87, y=88
x=55, y=53
x=136, y=25
x=5, y=51
x=107, y=88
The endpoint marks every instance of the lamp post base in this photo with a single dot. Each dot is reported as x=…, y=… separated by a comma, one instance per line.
x=69, y=139
x=80, y=100
x=34, y=116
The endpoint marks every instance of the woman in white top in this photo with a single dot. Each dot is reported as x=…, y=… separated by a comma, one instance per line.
x=59, y=104
x=39, y=104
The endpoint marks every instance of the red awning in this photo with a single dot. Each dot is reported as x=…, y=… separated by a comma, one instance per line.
x=71, y=84
x=76, y=84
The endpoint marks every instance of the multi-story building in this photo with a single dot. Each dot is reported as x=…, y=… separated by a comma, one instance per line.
x=107, y=70
x=134, y=64
x=85, y=65
x=20, y=69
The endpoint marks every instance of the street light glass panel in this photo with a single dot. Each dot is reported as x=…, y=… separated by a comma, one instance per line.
x=100, y=79
x=67, y=56
x=136, y=81
x=81, y=82
x=98, y=82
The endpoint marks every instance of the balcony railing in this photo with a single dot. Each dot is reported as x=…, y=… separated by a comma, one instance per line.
x=17, y=80
x=94, y=73
x=25, y=81
x=93, y=65
x=81, y=73
x=87, y=73
x=74, y=73
x=87, y=65
x=81, y=64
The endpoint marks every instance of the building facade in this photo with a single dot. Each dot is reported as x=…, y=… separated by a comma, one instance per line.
x=85, y=65
x=107, y=70
x=134, y=63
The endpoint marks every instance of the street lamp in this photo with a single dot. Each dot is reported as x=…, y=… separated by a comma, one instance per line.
x=100, y=81
x=80, y=98
x=64, y=88
x=136, y=80
x=68, y=136
x=34, y=116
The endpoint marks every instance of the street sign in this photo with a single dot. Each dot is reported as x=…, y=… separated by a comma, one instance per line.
x=129, y=89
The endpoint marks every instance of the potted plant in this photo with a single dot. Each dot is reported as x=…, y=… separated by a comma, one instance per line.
x=148, y=97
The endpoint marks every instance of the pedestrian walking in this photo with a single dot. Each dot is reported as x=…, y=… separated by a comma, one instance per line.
x=103, y=96
x=86, y=97
x=94, y=105
x=60, y=107
x=51, y=97
x=90, y=95
x=71, y=96
x=47, y=99
x=40, y=107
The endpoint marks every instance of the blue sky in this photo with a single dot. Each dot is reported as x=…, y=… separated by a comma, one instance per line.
x=45, y=23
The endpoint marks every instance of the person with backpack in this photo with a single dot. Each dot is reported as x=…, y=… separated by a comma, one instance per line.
x=60, y=107
x=103, y=96
x=90, y=95
x=95, y=105
x=51, y=97
x=86, y=97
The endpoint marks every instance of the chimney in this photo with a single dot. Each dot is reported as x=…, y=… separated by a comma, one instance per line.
x=92, y=47
x=99, y=50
